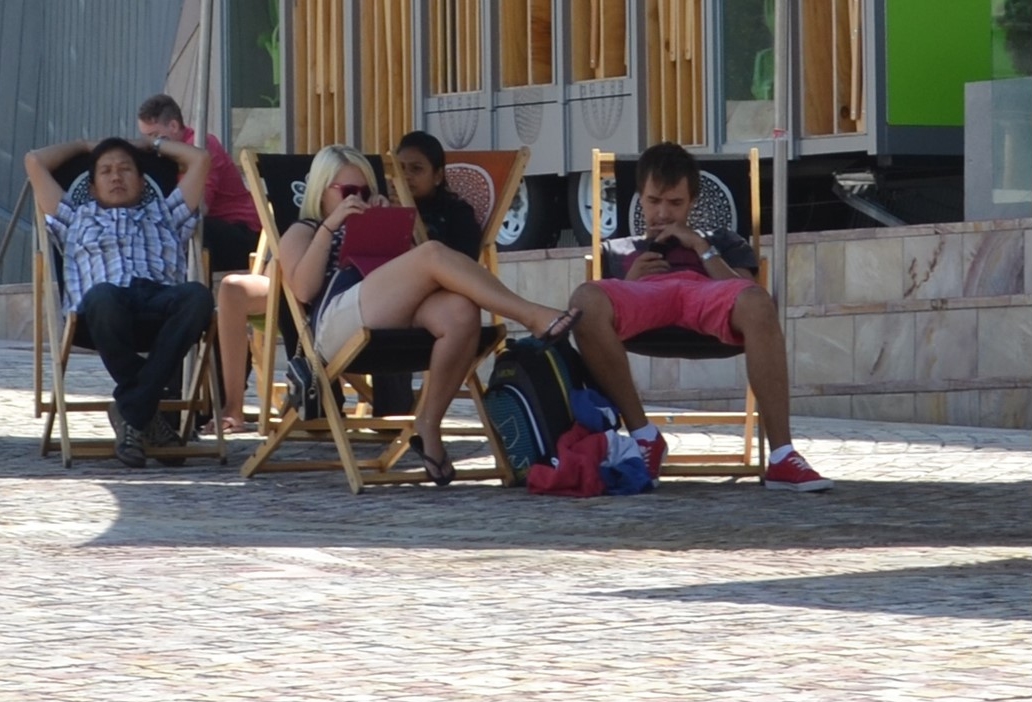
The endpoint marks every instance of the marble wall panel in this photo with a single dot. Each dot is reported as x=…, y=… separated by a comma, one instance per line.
x=834, y=406
x=706, y=373
x=993, y=263
x=944, y=347
x=577, y=273
x=933, y=266
x=801, y=278
x=957, y=408
x=1006, y=408
x=509, y=274
x=641, y=371
x=830, y=276
x=883, y=347
x=1004, y=342
x=823, y=351
x=546, y=282
x=664, y=374
x=1028, y=262
x=873, y=270
x=897, y=407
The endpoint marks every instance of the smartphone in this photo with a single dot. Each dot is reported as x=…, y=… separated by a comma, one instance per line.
x=661, y=247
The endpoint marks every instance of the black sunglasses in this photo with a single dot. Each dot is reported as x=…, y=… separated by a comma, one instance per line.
x=348, y=189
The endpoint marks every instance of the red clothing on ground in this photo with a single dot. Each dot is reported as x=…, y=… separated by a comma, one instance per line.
x=580, y=453
x=225, y=196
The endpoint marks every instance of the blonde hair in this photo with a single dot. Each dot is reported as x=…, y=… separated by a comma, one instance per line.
x=325, y=166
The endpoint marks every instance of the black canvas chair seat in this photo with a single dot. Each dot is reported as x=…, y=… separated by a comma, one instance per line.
x=406, y=350
x=675, y=342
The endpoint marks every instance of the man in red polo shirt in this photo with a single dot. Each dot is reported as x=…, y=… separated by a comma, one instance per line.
x=231, y=224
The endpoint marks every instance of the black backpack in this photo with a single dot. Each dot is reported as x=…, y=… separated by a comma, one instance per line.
x=528, y=400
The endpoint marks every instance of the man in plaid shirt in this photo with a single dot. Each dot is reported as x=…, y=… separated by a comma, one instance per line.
x=124, y=265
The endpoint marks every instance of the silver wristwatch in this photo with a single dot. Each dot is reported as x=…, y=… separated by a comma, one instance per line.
x=711, y=252
x=158, y=141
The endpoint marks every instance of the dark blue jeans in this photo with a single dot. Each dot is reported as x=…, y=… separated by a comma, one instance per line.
x=162, y=320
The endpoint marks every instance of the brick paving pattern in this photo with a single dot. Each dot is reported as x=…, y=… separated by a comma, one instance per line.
x=910, y=581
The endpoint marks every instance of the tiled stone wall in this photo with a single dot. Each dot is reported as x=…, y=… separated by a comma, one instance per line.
x=919, y=324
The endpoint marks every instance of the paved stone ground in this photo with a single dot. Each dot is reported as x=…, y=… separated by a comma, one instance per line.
x=910, y=581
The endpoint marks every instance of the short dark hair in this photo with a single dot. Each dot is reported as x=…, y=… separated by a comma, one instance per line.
x=160, y=108
x=667, y=164
x=428, y=145
x=115, y=144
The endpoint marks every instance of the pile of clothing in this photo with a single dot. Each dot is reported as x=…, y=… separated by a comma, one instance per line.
x=593, y=457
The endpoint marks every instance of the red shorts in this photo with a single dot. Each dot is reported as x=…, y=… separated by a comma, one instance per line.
x=682, y=299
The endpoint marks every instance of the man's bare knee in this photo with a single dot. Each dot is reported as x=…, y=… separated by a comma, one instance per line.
x=590, y=299
x=754, y=308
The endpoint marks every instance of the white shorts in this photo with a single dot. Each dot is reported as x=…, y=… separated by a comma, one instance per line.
x=339, y=321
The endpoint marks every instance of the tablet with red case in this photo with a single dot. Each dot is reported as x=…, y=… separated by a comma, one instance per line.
x=375, y=236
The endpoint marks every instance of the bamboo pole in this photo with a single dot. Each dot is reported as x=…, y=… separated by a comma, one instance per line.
x=782, y=32
x=834, y=92
x=698, y=109
x=689, y=30
x=335, y=89
x=449, y=42
x=392, y=87
x=854, y=58
x=406, y=60
x=661, y=97
x=479, y=49
x=675, y=57
x=593, y=36
x=530, y=41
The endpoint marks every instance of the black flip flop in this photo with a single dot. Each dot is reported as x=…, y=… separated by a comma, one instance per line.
x=444, y=467
x=550, y=338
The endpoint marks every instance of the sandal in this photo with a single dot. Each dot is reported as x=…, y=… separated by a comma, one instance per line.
x=230, y=425
x=445, y=469
x=554, y=335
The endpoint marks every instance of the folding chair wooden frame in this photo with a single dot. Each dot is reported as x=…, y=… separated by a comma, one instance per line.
x=367, y=351
x=47, y=313
x=736, y=464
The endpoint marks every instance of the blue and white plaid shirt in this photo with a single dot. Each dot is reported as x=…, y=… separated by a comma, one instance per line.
x=116, y=244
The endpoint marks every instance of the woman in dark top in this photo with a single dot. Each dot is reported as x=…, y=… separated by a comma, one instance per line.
x=448, y=218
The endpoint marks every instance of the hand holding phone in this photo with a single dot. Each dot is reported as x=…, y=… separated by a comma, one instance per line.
x=661, y=247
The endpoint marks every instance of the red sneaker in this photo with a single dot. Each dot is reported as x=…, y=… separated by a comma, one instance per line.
x=653, y=453
x=794, y=473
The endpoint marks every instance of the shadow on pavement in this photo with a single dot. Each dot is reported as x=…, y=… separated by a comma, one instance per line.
x=996, y=590
x=210, y=505
x=318, y=511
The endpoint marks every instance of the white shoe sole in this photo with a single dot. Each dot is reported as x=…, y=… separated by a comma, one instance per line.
x=808, y=486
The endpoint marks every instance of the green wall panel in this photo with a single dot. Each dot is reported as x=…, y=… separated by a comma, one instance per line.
x=933, y=48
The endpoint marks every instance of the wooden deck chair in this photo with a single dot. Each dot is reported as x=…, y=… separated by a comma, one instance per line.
x=716, y=207
x=160, y=177
x=277, y=179
x=487, y=180
x=263, y=344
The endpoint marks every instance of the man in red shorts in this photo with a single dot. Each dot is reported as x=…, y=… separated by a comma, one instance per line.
x=702, y=281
